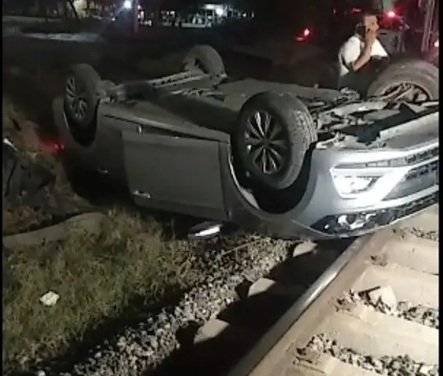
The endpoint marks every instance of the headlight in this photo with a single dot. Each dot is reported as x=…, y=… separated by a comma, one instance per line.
x=352, y=185
x=436, y=44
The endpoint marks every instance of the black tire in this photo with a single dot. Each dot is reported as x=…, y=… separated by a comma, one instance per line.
x=293, y=122
x=205, y=58
x=419, y=73
x=82, y=82
x=433, y=57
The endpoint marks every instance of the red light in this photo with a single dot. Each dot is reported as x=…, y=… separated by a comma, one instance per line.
x=391, y=14
x=436, y=44
x=306, y=32
x=52, y=147
x=355, y=10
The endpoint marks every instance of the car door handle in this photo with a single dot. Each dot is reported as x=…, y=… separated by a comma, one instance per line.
x=103, y=171
x=141, y=194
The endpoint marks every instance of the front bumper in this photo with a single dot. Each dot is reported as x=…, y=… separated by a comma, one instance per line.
x=410, y=185
x=407, y=185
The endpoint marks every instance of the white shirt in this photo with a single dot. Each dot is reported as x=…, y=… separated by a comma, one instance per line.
x=350, y=51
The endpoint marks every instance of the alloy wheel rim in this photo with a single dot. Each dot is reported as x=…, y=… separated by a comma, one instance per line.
x=266, y=144
x=76, y=98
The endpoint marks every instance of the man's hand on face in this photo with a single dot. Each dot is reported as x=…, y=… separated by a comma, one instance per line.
x=370, y=37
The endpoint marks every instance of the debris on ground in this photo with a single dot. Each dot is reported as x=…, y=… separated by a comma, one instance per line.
x=49, y=299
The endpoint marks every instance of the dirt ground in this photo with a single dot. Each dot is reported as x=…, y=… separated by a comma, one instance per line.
x=24, y=135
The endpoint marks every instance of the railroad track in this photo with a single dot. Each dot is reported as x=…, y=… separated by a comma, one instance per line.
x=368, y=309
x=362, y=308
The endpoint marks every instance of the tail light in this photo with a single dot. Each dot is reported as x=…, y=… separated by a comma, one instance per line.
x=436, y=44
x=303, y=35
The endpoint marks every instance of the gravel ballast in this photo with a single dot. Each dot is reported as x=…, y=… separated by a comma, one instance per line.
x=147, y=343
x=418, y=313
x=386, y=365
x=419, y=233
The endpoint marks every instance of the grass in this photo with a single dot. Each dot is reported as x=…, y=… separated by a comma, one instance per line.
x=22, y=219
x=98, y=277
x=95, y=276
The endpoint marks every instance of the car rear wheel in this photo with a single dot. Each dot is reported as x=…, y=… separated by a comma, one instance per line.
x=434, y=58
x=80, y=101
x=273, y=134
x=204, y=58
x=412, y=80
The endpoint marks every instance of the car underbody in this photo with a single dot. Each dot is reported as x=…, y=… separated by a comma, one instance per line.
x=170, y=140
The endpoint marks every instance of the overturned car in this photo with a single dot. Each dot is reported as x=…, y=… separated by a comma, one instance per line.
x=284, y=160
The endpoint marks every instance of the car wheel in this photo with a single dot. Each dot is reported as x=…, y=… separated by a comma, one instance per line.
x=80, y=101
x=412, y=80
x=273, y=134
x=204, y=58
x=434, y=58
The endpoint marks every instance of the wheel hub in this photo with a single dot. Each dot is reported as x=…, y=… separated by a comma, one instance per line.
x=266, y=143
x=75, y=96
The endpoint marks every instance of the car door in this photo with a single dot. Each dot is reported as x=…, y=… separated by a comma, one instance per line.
x=174, y=173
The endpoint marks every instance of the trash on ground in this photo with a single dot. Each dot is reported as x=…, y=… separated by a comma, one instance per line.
x=49, y=299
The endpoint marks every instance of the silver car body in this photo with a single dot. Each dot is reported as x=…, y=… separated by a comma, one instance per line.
x=176, y=164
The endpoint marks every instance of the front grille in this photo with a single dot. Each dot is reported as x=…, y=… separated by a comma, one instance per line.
x=398, y=162
x=417, y=179
x=417, y=173
x=422, y=156
x=415, y=206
